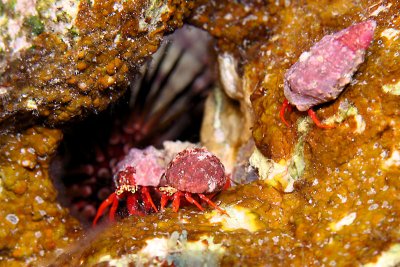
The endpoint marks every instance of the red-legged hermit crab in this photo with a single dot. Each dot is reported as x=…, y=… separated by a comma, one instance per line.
x=321, y=74
x=193, y=171
x=136, y=177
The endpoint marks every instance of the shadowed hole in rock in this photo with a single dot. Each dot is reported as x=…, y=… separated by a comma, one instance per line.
x=164, y=102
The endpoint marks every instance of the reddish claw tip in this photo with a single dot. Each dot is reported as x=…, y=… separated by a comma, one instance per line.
x=317, y=122
x=110, y=200
x=285, y=105
x=147, y=198
x=176, y=201
x=164, y=201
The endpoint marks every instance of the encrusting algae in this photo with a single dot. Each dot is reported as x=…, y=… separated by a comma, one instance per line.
x=83, y=65
x=32, y=222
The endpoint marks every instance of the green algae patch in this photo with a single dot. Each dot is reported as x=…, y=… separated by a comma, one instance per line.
x=36, y=25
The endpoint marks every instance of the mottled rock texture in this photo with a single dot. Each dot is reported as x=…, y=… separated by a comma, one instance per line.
x=64, y=75
x=344, y=206
x=32, y=222
x=60, y=61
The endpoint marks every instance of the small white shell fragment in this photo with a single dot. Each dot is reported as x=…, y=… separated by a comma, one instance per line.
x=239, y=218
x=346, y=220
x=229, y=77
x=12, y=218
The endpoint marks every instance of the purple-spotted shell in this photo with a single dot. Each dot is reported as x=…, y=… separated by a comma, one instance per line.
x=321, y=73
x=196, y=170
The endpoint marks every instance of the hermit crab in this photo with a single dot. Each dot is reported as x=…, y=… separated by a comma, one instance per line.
x=192, y=172
x=321, y=74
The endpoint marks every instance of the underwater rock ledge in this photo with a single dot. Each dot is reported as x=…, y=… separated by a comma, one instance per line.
x=59, y=63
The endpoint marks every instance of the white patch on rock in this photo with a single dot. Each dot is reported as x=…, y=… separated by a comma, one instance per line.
x=390, y=34
x=274, y=173
x=393, y=161
x=346, y=220
x=379, y=9
x=12, y=218
x=388, y=258
x=393, y=89
x=239, y=218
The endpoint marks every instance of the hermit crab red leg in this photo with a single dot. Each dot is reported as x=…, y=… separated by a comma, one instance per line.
x=317, y=122
x=110, y=200
x=164, y=201
x=113, y=209
x=287, y=106
x=191, y=200
x=176, y=201
x=148, y=201
x=212, y=204
x=132, y=205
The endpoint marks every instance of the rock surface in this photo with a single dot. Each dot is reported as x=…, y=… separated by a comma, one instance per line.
x=33, y=225
x=343, y=208
x=84, y=65
x=59, y=61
